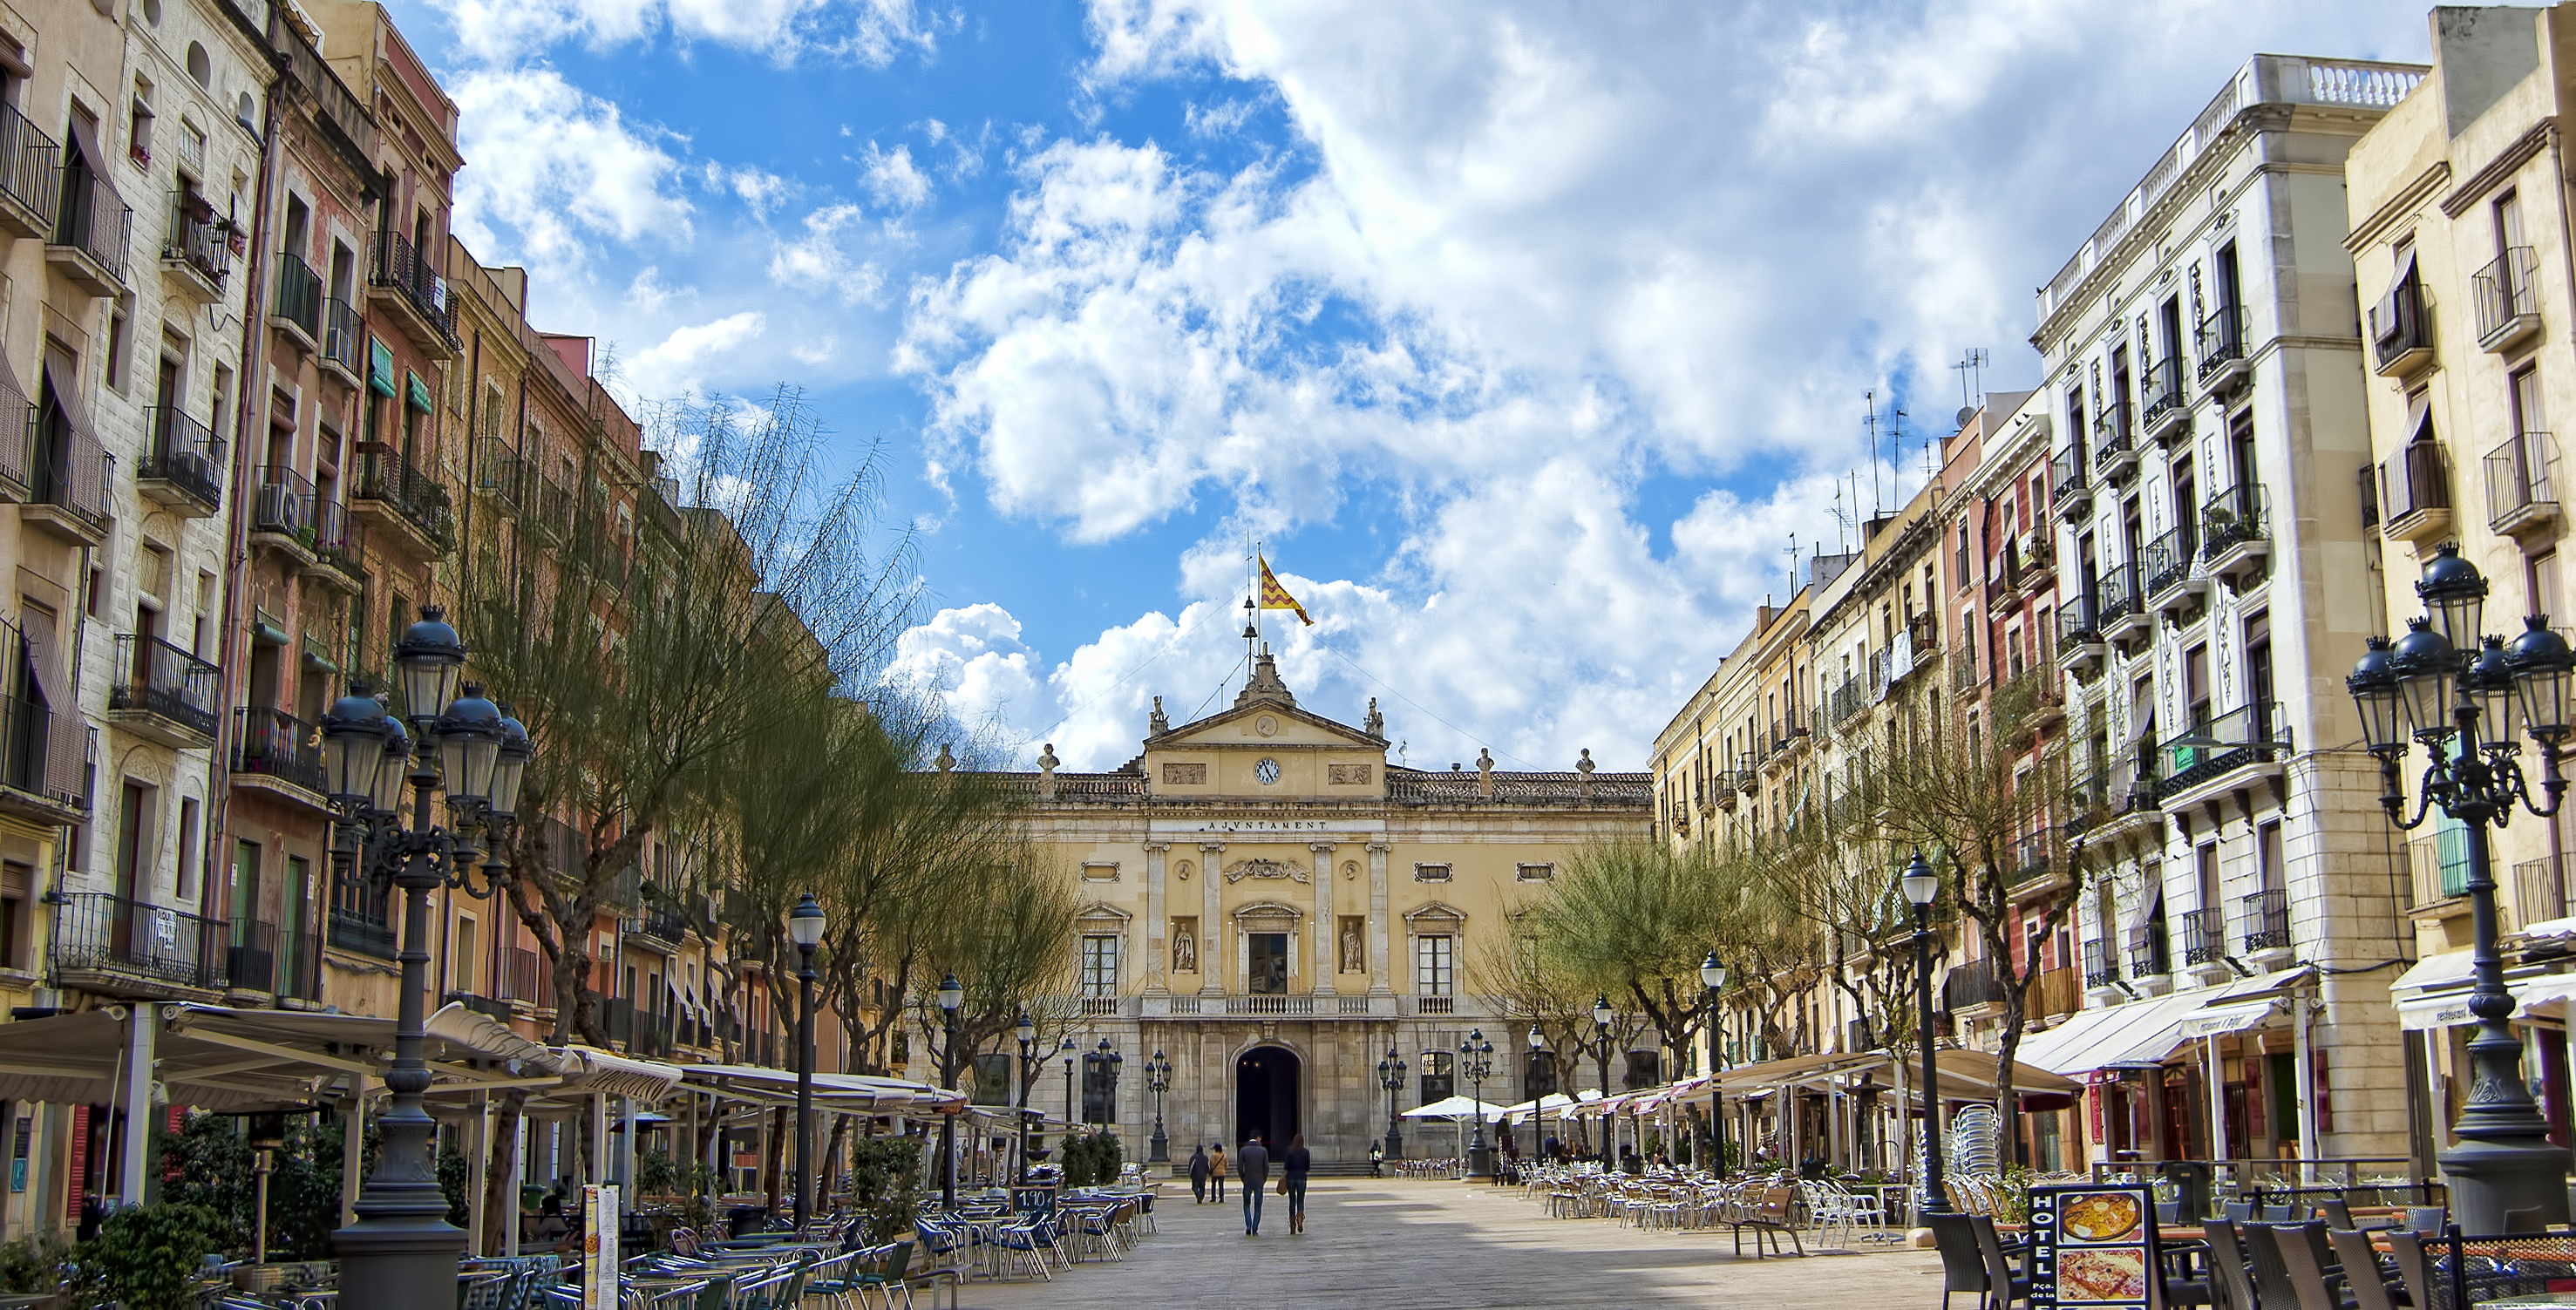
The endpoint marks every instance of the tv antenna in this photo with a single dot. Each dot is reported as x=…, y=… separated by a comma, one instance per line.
x=1870, y=398
x=1792, y=553
x=1971, y=365
x=1843, y=513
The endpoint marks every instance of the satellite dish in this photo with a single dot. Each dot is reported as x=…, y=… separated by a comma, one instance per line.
x=1966, y=412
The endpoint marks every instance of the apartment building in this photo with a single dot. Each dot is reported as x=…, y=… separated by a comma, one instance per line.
x=2459, y=233
x=2204, y=350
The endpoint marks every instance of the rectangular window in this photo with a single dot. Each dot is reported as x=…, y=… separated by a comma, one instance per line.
x=465, y=972
x=2267, y=857
x=1432, y=974
x=1431, y=873
x=17, y=897
x=187, y=847
x=1099, y=966
x=1267, y=960
x=1439, y=1075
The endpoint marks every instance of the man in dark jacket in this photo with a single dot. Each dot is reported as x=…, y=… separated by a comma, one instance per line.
x=1253, y=1166
x=1198, y=1176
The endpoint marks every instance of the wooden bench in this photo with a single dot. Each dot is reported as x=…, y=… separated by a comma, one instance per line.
x=1774, y=1214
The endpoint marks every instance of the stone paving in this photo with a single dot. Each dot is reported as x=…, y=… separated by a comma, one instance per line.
x=1405, y=1245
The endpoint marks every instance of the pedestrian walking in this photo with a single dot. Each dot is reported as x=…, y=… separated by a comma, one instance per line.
x=1198, y=1176
x=1216, y=1171
x=1254, y=1168
x=1293, y=1167
x=1377, y=1160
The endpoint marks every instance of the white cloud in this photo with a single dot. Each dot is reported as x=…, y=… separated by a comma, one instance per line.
x=868, y=32
x=891, y=177
x=683, y=358
x=760, y=191
x=557, y=167
x=820, y=259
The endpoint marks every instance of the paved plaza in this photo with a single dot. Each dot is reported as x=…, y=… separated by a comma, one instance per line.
x=1404, y=1245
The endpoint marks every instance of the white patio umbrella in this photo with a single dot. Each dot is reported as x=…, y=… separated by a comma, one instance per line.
x=1456, y=1107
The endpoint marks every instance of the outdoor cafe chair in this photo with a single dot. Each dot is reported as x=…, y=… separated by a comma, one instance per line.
x=2299, y=1246
x=779, y=1290
x=2406, y=1249
x=2361, y=1270
x=2228, y=1275
x=1963, y=1266
x=2005, y=1286
x=1018, y=1246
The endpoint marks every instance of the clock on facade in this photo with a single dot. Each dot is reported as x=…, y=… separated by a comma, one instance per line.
x=1266, y=771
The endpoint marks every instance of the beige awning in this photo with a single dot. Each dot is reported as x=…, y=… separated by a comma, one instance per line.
x=845, y=1092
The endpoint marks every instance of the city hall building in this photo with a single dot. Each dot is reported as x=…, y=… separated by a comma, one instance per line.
x=1271, y=904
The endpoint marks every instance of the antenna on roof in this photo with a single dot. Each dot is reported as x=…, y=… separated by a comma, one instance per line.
x=1971, y=365
x=1843, y=515
x=1793, y=564
x=1870, y=398
x=1895, y=443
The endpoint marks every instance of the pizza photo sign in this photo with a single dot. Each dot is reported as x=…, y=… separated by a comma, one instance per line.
x=2093, y=1245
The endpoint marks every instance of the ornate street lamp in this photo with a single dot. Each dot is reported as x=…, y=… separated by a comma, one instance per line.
x=1476, y=1061
x=2431, y=686
x=1712, y=975
x=1158, y=1080
x=805, y=928
x=401, y=1253
x=1390, y=1075
x=1602, y=1014
x=1027, y=1031
x=1069, y=1117
x=952, y=995
x=1538, y=1105
x=1921, y=888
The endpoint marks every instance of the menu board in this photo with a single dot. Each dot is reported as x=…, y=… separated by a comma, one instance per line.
x=599, y=1252
x=2093, y=1245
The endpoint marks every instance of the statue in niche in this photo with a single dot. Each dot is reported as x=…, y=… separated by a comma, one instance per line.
x=1354, y=951
x=1185, y=948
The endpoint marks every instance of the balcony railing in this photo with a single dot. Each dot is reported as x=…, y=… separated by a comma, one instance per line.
x=344, y=336
x=184, y=453
x=2522, y=481
x=95, y=221
x=2162, y=387
x=43, y=754
x=2266, y=916
x=2117, y=595
x=2032, y=856
x=2127, y=785
x=276, y=744
x=2169, y=557
x=104, y=933
x=2069, y=473
x=2076, y=625
x=298, y=966
x=519, y=974
x=2256, y=733
x=499, y=469
x=2220, y=340
x=199, y=240
x=2148, y=957
x=2101, y=966
x=299, y=295
x=31, y=164
x=2413, y=481
x=2538, y=891
x=338, y=541
x=2204, y=935
x=1972, y=983
x=73, y=471
x=282, y=501
x=361, y=934
x=2399, y=327
x=398, y=266
x=2113, y=434
x=2506, y=293
x=156, y=677
x=250, y=955
x=421, y=500
x=2233, y=518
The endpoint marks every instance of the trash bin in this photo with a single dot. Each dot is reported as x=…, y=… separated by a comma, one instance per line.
x=2190, y=1181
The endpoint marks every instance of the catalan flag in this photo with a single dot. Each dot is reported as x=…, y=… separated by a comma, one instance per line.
x=1276, y=597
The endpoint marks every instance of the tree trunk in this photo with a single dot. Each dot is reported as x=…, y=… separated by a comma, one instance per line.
x=775, y=1166
x=500, y=1204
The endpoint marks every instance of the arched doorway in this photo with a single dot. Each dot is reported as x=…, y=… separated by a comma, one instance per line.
x=1265, y=1096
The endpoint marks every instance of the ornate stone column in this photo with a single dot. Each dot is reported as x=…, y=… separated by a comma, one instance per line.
x=1215, y=963
x=1377, y=852
x=1326, y=932
x=1158, y=952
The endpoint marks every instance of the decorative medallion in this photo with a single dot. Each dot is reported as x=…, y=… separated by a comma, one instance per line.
x=1182, y=870
x=1266, y=726
x=1266, y=771
x=1350, y=869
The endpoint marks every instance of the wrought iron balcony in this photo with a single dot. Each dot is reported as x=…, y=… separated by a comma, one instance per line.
x=127, y=947
x=275, y=744
x=2204, y=936
x=2236, y=531
x=298, y=306
x=361, y=934
x=43, y=763
x=163, y=692
x=93, y=229
x=2256, y=734
x=2148, y=957
x=198, y=251
x=2401, y=333
x=2070, y=479
x=2415, y=492
x=2506, y=293
x=344, y=340
x=31, y=167
x=2220, y=343
x=72, y=477
x=2167, y=413
x=409, y=498
x=2522, y=484
x=2169, y=559
x=2101, y=965
x=2266, y=920
x=407, y=280
x=339, y=547
x=184, y=466
x=2115, y=450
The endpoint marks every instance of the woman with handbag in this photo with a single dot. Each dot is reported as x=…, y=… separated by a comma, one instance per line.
x=1293, y=1168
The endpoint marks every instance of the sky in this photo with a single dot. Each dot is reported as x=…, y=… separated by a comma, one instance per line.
x=1527, y=339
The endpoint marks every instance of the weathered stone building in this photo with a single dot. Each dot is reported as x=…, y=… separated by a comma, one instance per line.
x=1274, y=907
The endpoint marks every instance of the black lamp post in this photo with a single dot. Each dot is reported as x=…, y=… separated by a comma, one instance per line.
x=1712, y=975
x=1070, y=1116
x=1390, y=1075
x=1602, y=1014
x=951, y=996
x=2431, y=685
x=1027, y=1031
x=1158, y=1080
x=401, y=1253
x=805, y=928
x=1921, y=887
x=1538, y=1104
x=1476, y=1061
x=1102, y=1063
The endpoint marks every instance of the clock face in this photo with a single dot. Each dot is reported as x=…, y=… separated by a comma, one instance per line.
x=1267, y=771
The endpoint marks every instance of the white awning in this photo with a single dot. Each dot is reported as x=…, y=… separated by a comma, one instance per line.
x=2097, y=1039
x=589, y=1071
x=2535, y=995
x=1455, y=1107
x=844, y=1092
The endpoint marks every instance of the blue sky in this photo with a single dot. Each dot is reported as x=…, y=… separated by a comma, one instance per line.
x=1524, y=334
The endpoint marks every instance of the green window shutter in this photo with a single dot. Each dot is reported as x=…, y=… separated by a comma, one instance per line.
x=415, y=394
x=380, y=369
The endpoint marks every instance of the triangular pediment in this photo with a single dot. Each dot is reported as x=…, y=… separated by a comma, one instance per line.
x=1266, y=725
